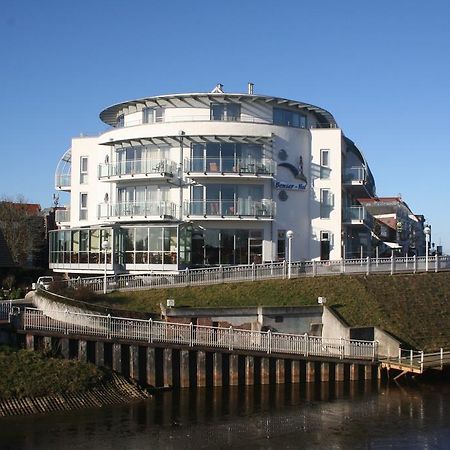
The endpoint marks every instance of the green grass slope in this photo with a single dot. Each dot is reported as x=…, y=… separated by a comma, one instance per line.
x=415, y=308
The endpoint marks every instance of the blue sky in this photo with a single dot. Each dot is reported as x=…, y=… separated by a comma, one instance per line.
x=381, y=68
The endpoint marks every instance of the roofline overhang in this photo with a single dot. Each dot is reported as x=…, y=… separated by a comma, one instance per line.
x=109, y=115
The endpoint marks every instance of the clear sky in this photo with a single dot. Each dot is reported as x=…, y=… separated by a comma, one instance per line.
x=380, y=67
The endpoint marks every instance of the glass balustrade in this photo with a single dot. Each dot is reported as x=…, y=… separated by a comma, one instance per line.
x=230, y=208
x=354, y=174
x=62, y=215
x=137, y=167
x=231, y=165
x=142, y=209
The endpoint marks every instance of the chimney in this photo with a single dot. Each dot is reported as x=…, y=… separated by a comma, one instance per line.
x=250, y=87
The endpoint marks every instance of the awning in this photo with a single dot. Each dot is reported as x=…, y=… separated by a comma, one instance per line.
x=392, y=244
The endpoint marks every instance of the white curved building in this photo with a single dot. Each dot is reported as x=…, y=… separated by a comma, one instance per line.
x=191, y=180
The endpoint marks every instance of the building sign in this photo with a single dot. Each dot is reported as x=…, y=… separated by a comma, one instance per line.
x=290, y=186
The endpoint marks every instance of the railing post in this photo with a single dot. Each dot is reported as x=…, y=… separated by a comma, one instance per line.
x=306, y=344
x=442, y=357
x=368, y=265
x=109, y=326
x=421, y=361
x=436, y=263
x=392, y=263
x=66, y=326
x=314, y=268
x=221, y=272
x=230, y=338
x=284, y=269
x=375, y=350
x=269, y=341
x=411, y=358
x=187, y=276
x=150, y=330
x=341, y=348
x=414, y=264
x=343, y=265
x=191, y=334
x=253, y=271
x=399, y=354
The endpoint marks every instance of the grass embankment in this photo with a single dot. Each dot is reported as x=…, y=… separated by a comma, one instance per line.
x=415, y=308
x=31, y=374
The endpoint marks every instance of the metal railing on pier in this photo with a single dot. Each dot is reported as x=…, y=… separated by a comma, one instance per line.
x=150, y=331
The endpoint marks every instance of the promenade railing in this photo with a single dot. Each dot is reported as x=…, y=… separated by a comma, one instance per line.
x=252, y=272
x=189, y=335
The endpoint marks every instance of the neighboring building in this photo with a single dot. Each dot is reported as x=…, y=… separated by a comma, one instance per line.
x=193, y=180
x=6, y=260
x=396, y=227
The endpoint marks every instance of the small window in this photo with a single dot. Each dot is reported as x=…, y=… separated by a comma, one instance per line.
x=288, y=118
x=83, y=206
x=326, y=203
x=120, y=122
x=83, y=170
x=152, y=115
x=324, y=235
x=324, y=163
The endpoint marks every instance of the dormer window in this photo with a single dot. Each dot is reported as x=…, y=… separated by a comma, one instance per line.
x=225, y=111
x=152, y=115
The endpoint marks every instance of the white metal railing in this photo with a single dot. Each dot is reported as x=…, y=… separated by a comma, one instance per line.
x=233, y=208
x=236, y=166
x=417, y=359
x=138, y=167
x=252, y=272
x=5, y=310
x=66, y=322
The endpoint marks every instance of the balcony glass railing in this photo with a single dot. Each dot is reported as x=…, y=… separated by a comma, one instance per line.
x=62, y=181
x=231, y=166
x=357, y=214
x=137, y=167
x=230, y=208
x=140, y=209
x=357, y=174
x=62, y=215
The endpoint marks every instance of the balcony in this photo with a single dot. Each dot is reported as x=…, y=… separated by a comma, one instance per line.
x=63, y=172
x=240, y=208
x=159, y=210
x=355, y=175
x=156, y=168
x=62, y=182
x=357, y=215
x=230, y=166
x=62, y=215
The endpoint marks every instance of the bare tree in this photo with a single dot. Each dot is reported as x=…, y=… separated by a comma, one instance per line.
x=16, y=219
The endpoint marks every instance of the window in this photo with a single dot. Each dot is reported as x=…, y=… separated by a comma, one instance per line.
x=225, y=111
x=281, y=245
x=152, y=115
x=288, y=118
x=83, y=170
x=120, y=122
x=326, y=203
x=83, y=206
x=324, y=163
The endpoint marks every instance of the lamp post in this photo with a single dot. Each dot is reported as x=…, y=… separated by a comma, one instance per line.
x=105, y=247
x=289, y=235
x=427, y=231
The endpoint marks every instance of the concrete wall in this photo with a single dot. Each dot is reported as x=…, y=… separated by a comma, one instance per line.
x=333, y=326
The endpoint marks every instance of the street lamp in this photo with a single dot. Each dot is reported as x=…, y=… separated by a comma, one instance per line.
x=105, y=247
x=427, y=231
x=289, y=235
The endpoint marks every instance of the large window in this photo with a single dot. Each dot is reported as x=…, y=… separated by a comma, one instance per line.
x=83, y=170
x=288, y=118
x=324, y=163
x=225, y=111
x=152, y=115
x=326, y=203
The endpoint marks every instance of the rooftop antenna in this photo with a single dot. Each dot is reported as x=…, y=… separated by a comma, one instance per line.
x=218, y=89
x=55, y=200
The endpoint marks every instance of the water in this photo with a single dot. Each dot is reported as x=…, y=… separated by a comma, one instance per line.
x=300, y=416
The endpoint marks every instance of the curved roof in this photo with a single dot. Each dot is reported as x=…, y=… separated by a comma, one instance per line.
x=110, y=114
x=353, y=147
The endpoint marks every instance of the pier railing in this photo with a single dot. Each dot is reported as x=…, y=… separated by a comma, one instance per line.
x=5, y=310
x=189, y=335
x=252, y=272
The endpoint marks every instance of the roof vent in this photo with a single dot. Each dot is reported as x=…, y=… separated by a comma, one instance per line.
x=250, y=87
x=218, y=89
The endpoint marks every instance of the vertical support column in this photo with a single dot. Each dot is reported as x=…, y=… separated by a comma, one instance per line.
x=184, y=368
x=234, y=372
x=310, y=371
x=217, y=369
x=279, y=371
x=82, y=350
x=167, y=367
x=354, y=375
x=151, y=369
x=201, y=368
x=249, y=370
x=117, y=357
x=134, y=362
x=100, y=353
x=325, y=372
x=295, y=371
x=29, y=340
x=367, y=372
x=339, y=372
x=47, y=342
x=264, y=370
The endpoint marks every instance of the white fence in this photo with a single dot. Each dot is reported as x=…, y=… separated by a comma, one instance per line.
x=5, y=310
x=252, y=272
x=190, y=335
